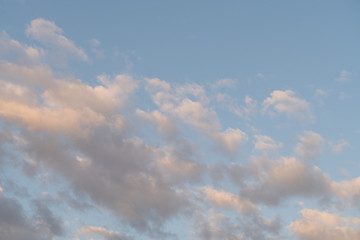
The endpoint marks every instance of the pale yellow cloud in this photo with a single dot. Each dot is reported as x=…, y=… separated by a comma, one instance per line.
x=317, y=225
x=229, y=201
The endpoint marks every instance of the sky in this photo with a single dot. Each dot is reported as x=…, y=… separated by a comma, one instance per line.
x=179, y=120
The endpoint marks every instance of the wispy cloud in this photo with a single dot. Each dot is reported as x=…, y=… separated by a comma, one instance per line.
x=59, y=48
x=344, y=76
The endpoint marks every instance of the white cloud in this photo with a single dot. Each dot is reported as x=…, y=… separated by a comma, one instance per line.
x=51, y=36
x=286, y=102
x=317, y=225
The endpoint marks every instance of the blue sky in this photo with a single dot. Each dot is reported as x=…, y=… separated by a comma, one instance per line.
x=179, y=120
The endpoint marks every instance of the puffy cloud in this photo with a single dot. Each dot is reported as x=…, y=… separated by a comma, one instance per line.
x=58, y=46
x=28, y=76
x=348, y=190
x=115, y=166
x=229, y=201
x=309, y=145
x=286, y=102
x=287, y=178
x=177, y=166
x=230, y=139
x=62, y=120
x=215, y=226
x=32, y=97
x=317, y=225
x=164, y=124
x=265, y=143
x=188, y=103
x=10, y=48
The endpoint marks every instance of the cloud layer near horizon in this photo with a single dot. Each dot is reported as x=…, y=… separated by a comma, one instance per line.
x=152, y=161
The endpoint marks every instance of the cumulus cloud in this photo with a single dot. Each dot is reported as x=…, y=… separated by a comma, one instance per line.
x=309, y=145
x=148, y=167
x=51, y=36
x=316, y=225
x=214, y=225
x=349, y=191
x=265, y=143
x=189, y=104
x=229, y=201
x=115, y=166
x=26, y=55
x=286, y=102
x=286, y=178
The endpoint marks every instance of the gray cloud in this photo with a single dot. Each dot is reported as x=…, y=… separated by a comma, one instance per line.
x=15, y=225
x=51, y=223
x=288, y=178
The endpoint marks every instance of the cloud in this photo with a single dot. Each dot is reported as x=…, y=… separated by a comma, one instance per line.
x=51, y=223
x=214, y=225
x=248, y=111
x=344, y=76
x=316, y=225
x=287, y=178
x=286, y=102
x=224, y=83
x=309, y=145
x=265, y=143
x=164, y=124
x=189, y=104
x=101, y=231
x=114, y=166
x=95, y=44
x=32, y=97
x=339, y=146
x=178, y=167
x=349, y=191
x=229, y=201
x=14, y=224
x=58, y=46
x=148, y=168
x=12, y=49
